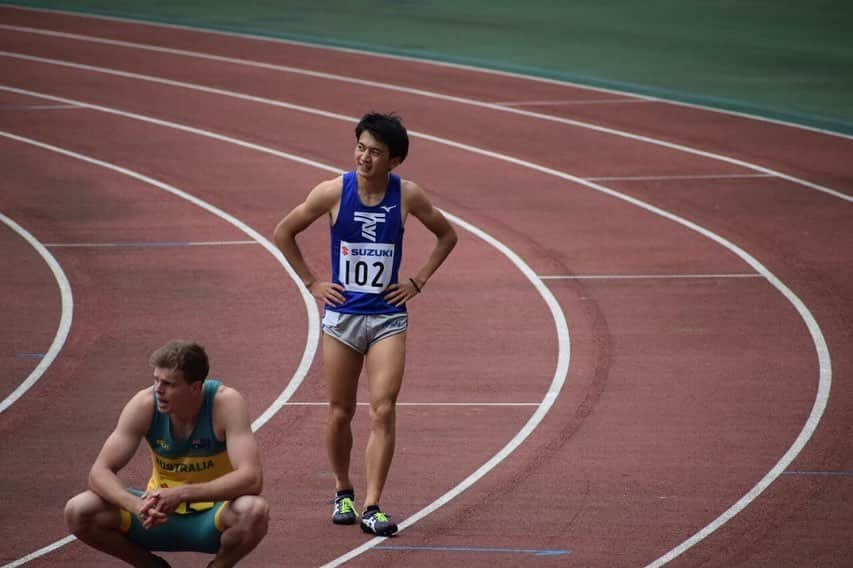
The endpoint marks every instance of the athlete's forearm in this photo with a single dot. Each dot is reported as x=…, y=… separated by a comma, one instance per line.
x=440, y=252
x=106, y=484
x=286, y=243
x=243, y=481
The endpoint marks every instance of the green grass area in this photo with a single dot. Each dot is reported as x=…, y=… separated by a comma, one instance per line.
x=780, y=59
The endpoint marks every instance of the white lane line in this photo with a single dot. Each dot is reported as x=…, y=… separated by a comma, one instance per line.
x=41, y=552
x=418, y=92
x=643, y=276
x=559, y=379
x=151, y=244
x=821, y=349
x=824, y=366
x=433, y=63
x=313, y=335
x=66, y=314
x=682, y=177
x=311, y=307
x=563, y=344
x=574, y=102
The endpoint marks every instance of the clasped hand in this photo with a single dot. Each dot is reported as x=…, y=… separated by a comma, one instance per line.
x=157, y=505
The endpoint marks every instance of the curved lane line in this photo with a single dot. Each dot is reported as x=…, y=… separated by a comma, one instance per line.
x=312, y=339
x=824, y=364
x=435, y=63
x=563, y=345
x=308, y=300
x=66, y=315
x=426, y=94
x=560, y=373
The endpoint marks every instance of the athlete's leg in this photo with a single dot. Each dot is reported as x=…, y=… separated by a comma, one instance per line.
x=386, y=361
x=97, y=523
x=342, y=365
x=244, y=522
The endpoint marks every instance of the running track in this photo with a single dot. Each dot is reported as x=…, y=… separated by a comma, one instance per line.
x=639, y=353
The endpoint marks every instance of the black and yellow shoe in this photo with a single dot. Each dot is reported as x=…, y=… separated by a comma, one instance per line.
x=376, y=522
x=344, y=513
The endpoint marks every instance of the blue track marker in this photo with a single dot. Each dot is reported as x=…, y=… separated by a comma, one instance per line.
x=535, y=552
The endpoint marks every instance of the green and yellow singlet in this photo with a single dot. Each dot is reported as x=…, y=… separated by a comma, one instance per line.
x=196, y=459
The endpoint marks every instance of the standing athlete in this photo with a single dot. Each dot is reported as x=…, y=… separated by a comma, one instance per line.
x=203, y=491
x=365, y=317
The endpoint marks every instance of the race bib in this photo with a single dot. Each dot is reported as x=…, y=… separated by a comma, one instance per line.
x=365, y=267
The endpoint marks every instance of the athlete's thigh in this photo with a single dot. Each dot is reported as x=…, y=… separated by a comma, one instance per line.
x=386, y=362
x=199, y=532
x=342, y=366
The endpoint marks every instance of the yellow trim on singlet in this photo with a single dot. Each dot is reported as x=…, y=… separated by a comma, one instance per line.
x=126, y=519
x=217, y=523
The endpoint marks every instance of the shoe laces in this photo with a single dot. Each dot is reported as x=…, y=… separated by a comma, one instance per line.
x=345, y=505
x=379, y=516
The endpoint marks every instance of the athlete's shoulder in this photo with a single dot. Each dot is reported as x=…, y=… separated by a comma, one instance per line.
x=326, y=194
x=413, y=194
x=227, y=397
x=143, y=400
x=138, y=411
x=409, y=186
x=230, y=410
x=333, y=185
x=227, y=392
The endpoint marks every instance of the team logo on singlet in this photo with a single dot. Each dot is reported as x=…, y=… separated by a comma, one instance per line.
x=368, y=223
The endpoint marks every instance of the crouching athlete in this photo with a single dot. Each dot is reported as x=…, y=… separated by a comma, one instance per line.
x=203, y=492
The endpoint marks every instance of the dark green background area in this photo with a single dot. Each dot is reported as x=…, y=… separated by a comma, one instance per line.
x=776, y=58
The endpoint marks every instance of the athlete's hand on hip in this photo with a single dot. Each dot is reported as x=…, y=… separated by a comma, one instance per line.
x=400, y=293
x=332, y=294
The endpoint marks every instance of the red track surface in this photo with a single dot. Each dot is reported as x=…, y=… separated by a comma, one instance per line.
x=682, y=393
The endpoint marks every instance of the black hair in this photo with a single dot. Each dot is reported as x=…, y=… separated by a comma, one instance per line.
x=388, y=129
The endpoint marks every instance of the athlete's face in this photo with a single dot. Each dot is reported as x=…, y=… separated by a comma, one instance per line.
x=372, y=157
x=173, y=392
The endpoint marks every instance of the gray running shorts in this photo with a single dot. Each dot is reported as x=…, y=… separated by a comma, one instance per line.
x=360, y=331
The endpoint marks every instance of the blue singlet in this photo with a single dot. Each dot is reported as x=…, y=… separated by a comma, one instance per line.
x=367, y=247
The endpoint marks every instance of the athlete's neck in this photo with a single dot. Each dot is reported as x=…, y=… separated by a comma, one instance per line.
x=183, y=422
x=371, y=189
x=374, y=183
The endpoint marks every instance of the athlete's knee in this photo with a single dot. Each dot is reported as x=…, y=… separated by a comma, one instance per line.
x=382, y=413
x=341, y=414
x=254, y=514
x=81, y=512
x=258, y=516
x=73, y=514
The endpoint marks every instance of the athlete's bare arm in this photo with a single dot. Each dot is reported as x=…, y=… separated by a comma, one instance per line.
x=231, y=423
x=417, y=203
x=324, y=199
x=117, y=451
